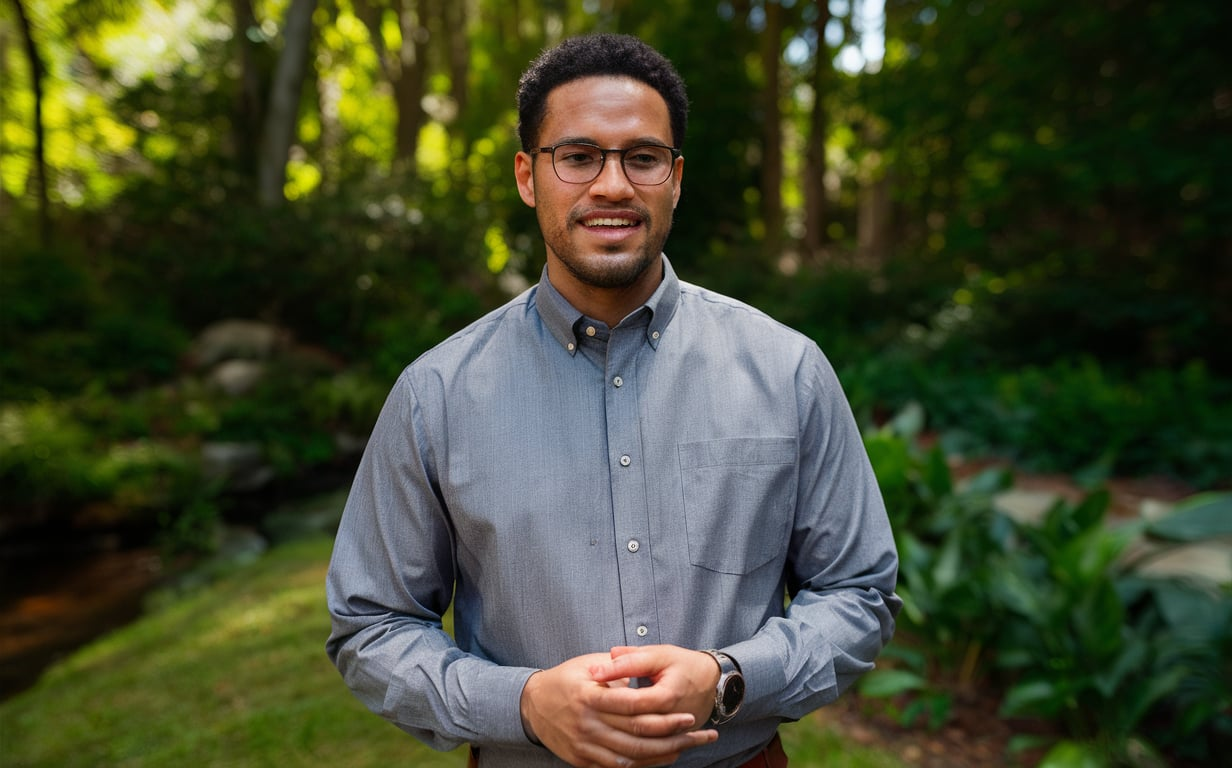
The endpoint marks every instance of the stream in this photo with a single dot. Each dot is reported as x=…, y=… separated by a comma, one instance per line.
x=55, y=600
x=58, y=592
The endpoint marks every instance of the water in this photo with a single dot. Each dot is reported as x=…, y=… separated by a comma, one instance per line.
x=55, y=599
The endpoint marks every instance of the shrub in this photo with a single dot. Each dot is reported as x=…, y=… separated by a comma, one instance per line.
x=1056, y=611
x=1066, y=417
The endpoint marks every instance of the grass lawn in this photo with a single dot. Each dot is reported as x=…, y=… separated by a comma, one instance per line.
x=235, y=674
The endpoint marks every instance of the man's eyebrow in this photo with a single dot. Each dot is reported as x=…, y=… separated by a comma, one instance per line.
x=636, y=142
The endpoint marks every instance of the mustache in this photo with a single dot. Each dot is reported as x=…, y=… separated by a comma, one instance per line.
x=629, y=211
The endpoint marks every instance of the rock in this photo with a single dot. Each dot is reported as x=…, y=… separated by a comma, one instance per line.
x=237, y=377
x=240, y=466
x=1026, y=506
x=236, y=339
x=1206, y=561
x=306, y=518
x=349, y=444
x=240, y=545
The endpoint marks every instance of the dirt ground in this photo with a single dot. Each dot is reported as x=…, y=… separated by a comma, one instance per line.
x=973, y=738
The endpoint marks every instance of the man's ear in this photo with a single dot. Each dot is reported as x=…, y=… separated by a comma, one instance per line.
x=677, y=181
x=524, y=172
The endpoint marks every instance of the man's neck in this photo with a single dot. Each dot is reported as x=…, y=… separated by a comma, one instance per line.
x=608, y=305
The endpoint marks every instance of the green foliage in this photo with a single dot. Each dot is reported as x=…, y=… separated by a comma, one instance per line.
x=1062, y=612
x=100, y=459
x=55, y=468
x=44, y=455
x=64, y=325
x=1069, y=155
x=233, y=673
x=1064, y=417
x=1115, y=653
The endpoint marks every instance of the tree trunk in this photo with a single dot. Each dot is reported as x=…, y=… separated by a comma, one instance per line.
x=283, y=114
x=249, y=101
x=459, y=54
x=409, y=87
x=873, y=223
x=815, y=152
x=406, y=70
x=772, y=139
x=37, y=70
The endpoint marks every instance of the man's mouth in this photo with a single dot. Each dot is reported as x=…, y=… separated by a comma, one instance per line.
x=610, y=221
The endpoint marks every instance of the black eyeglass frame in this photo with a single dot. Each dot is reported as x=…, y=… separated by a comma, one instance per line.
x=603, y=153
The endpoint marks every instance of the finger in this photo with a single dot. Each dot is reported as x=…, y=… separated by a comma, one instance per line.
x=651, y=726
x=647, y=700
x=632, y=662
x=659, y=751
x=629, y=752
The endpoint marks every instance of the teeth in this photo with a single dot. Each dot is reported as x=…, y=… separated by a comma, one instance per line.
x=610, y=222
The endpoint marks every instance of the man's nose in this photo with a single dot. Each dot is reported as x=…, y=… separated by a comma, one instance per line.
x=612, y=183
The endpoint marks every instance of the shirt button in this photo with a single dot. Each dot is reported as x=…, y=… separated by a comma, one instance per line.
x=642, y=631
x=625, y=461
x=590, y=330
x=654, y=335
x=634, y=545
x=570, y=346
x=618, y=382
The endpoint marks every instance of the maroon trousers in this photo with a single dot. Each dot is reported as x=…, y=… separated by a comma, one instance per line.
x=772, y=756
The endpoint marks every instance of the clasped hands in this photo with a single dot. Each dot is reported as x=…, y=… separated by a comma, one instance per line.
x=586, y=713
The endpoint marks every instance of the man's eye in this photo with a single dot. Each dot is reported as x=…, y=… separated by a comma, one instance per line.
x=576, y=156
x=645, y=157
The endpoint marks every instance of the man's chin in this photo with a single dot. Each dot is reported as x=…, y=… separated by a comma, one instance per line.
x=606, y=269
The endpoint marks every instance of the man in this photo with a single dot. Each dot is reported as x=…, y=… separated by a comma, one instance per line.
x=617, y=478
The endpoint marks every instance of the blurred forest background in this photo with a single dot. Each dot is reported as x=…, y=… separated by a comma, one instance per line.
x=226, y=225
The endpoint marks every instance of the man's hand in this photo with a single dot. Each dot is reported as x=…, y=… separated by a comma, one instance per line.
x=585, y=713
x=682, y=680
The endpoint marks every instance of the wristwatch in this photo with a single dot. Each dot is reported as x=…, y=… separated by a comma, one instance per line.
x=729, y=692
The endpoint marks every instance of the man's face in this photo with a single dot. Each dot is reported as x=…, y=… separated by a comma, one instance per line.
x=607, y=233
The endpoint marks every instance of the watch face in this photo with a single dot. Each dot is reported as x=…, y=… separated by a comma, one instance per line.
x=733, y=693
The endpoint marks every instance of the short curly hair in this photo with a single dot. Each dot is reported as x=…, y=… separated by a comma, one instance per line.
x=591, y=55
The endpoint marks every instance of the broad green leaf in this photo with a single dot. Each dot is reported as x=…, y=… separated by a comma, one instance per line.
x=909, y=422
x=882, y=683
x=990, y=480
x=1032, y=697
x=1199, y=517
x=1017, y=594
x=1184, y=605
x=910, y=656
x=1074, y=754
x=1089, y=513
x=937, y=475
x=948, y=568
x=1025, y=741
x=1139, y=700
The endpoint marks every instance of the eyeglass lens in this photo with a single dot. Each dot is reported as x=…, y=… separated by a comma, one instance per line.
x=581, y=163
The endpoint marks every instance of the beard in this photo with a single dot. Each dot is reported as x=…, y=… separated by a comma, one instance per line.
x=613, y=266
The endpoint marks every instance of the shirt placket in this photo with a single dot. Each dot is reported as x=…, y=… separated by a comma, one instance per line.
x=630, y=516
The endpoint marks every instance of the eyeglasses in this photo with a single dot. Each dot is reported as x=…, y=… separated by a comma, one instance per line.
x=646, y=165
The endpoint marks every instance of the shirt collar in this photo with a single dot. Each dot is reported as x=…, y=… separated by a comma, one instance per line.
x=561, y=317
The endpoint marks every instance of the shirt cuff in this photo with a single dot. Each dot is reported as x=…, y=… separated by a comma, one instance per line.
x=498, y=710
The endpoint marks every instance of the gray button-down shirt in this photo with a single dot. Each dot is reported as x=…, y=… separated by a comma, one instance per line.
x=571, y=487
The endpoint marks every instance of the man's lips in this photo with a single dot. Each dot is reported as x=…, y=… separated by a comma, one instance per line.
x=612, y=220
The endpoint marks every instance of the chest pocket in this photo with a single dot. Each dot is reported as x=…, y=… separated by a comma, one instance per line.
x=739, y=494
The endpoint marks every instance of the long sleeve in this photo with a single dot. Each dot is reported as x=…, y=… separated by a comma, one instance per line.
x=841, y=566
x=391, y=579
